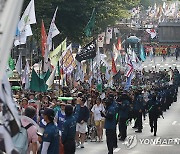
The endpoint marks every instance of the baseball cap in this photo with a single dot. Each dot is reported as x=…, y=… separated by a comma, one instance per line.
x=49, y=112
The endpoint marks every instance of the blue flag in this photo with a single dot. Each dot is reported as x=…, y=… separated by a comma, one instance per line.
x=128, y=82
x=142, y=53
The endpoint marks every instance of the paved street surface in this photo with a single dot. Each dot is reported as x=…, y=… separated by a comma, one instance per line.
x=167, y=128
x=160, y=64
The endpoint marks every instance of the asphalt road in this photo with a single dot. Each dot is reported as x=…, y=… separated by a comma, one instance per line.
x=168, y=137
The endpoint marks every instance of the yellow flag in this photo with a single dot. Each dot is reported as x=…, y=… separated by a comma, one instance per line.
x=55, y=55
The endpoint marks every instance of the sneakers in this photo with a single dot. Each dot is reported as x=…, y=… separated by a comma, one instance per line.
x=82, y=145
x=138, y=131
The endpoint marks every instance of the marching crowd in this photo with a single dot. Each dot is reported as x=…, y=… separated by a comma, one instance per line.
x=67, y=123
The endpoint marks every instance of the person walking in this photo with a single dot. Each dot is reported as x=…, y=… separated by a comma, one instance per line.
x=50, y=138
x=69, y=128
x=98, y=119
x=81, y=126
x=110, y=124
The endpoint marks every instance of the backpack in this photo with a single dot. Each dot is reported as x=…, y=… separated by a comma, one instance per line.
x=20, y=140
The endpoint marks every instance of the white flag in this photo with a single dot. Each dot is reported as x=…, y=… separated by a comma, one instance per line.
x=25, y=75
x=152, y=32
x=100, y=40
x=108, y=35
x=22, y=36
x=19, y=65
x=50, y=80
x=28, y=16
x=53, y=31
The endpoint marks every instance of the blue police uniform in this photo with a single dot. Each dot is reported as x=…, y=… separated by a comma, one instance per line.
x=123, y=113
x=138, y=107
x=69, y=131
x=110, y=126
x=51, y=134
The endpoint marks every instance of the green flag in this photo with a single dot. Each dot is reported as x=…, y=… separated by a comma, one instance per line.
x=89, y=27
x=11, y=63
x=37, y=84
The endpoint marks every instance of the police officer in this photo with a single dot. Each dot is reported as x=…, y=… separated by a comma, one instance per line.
x=138, y=108
x=124, y=105
x=110, y=124
x=154, y=109
x=69, y=128
x=50, y=138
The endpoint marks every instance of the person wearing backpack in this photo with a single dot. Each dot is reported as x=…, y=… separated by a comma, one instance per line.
x=30, y=112
x=26, y=140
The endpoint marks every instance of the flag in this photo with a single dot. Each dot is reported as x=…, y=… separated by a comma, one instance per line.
x=100, y=40
x=89, y=27
x=152, y=32
x=19, y=65
x=55, y=55
x=142, y=53
x=11, y=63
x=10, y=116
x=88, y=52
x=99, y=84
x=129, y=68
x=113, y=68
x=43, y=38
x=21, y=36
x=25, y=75
x=53, y=31
x=28, y=16
x=109, y=32
x=50, y=80
x=67, y=60
x=117, y=76
x=79, y=73
x=118, y=45
x=37, y=84
x=128, y=82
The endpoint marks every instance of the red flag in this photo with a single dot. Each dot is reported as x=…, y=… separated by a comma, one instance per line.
x=43, y=38
x=113, y=69
x=118, y=45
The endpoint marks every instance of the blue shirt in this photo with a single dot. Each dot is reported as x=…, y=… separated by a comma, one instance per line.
x=110, y=121
x=69, y=126
x=60, y=120
x=51, y=134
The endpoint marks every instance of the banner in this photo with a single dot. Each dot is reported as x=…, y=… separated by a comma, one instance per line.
x=67, y=60
x=88, y=52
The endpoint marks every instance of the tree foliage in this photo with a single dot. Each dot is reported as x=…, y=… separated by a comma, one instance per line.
x=73, y=15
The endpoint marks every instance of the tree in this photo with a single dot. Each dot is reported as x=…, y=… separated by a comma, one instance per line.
x=73, y=15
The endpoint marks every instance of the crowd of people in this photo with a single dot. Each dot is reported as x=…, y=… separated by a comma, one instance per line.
x=67, y=123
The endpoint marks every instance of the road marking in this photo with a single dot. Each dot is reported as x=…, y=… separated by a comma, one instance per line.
x=117, y=150
x=174, y=122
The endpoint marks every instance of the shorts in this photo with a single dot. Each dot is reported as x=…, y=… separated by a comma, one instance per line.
x=99, y=123
x=81, y=127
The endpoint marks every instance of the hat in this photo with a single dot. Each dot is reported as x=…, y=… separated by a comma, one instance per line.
x=49, y=112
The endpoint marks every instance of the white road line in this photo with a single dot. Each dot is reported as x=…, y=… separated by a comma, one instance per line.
x=117, y=150
x=174, y=122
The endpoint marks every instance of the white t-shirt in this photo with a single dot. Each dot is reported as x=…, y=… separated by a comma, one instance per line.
x=96, y=111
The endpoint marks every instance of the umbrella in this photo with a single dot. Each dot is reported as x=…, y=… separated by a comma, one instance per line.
x=133, y=39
